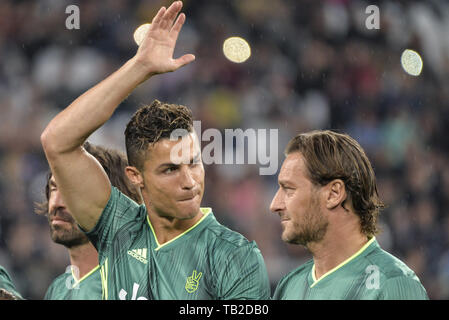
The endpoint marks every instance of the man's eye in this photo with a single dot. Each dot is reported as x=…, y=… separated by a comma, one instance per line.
x=169, y=170
x=288, y=189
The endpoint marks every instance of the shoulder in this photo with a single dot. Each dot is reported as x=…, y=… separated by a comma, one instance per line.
x=397, y=280
x=389, y=265
x=4, y=273
x=291, y=279
x=57, y=285
x=122, y=204
x=119, y=211
x=7, y=283
x=227, y=240
x=298, y=273
x=230, y=248
x=403, y=288
x=62, y=279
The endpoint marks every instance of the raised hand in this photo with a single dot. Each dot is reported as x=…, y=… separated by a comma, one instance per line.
x=155, y=53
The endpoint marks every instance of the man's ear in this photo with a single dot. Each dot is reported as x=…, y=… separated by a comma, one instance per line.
x=336, y=194
x=134, y=176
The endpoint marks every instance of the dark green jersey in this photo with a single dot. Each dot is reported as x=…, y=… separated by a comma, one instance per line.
x=371, y=273
x=6, y=283
x=207, y=261
x=65, y=287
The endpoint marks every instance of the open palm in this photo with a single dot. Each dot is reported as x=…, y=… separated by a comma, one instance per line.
x=155, y=53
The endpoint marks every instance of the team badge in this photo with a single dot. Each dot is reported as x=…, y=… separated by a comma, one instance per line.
x=193, y=281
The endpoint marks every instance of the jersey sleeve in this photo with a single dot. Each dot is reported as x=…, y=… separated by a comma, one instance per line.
x=403, y=288
x=245, y=276
x=119, y=211
x=6, y=283
x=49, y=293
x=278, y=292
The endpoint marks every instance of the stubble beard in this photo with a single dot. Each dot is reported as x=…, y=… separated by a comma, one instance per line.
x=68, y=238
x=312, y=228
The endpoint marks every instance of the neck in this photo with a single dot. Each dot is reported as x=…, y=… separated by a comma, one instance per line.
x=337, y=246
x=84, y=257
x=166, y=229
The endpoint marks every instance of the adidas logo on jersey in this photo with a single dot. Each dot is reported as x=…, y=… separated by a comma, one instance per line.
x=139, y=254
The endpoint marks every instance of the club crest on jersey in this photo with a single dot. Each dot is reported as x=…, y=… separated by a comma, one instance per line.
x=193, y=281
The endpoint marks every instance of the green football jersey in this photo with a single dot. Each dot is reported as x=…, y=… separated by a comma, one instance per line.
x=371, y=273
x=66, y=287
x=6, y=283
x=207, y=261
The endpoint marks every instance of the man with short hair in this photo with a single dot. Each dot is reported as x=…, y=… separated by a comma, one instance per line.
x=83, y=281
x=328, y=202
x=170, y=248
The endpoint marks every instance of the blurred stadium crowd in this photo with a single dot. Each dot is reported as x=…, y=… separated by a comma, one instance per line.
x=314, y=65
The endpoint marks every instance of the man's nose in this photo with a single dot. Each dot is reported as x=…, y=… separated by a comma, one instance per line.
x=277, y=203
x=56, y=200
x=187, y=181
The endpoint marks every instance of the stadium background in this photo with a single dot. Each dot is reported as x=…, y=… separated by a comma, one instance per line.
x=314, y=65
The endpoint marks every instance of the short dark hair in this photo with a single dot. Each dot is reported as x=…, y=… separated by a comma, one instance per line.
x=113, y=163
x=152, y=123
x=330, y=155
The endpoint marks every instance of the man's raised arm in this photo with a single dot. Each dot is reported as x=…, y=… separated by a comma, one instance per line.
x=83, y=184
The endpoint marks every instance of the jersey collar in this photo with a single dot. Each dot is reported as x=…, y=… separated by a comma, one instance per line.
x=341, y=265
x=206, y=213
x=78, y=281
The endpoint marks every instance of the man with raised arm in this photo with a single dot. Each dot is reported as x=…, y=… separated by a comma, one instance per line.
x=168, y=248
